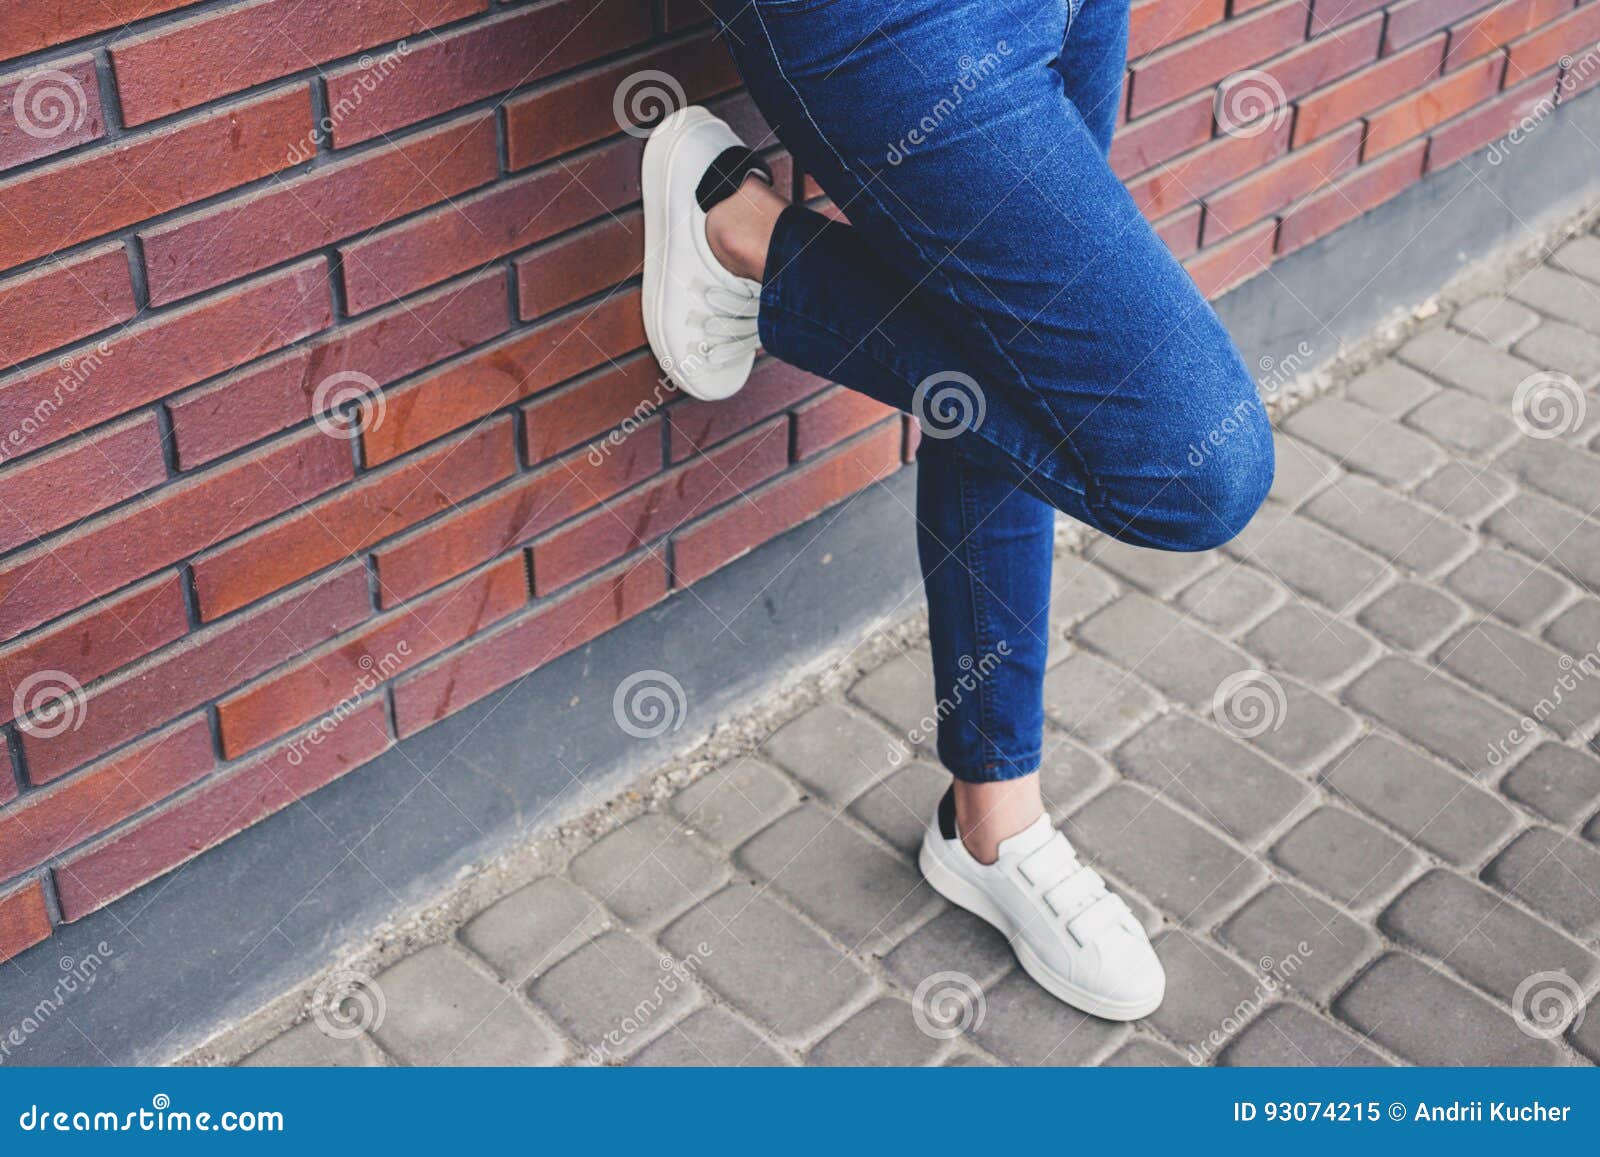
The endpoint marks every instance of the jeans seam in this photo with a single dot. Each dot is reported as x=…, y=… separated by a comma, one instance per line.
x=971, y=559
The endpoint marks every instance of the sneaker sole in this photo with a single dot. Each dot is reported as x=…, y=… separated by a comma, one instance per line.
x=964, y=894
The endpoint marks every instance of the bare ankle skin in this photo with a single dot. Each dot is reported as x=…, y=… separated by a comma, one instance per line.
x=739, y=228
x=989, y=813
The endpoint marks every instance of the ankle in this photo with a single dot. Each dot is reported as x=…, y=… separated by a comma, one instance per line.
x=988, y=814
x=739, y=228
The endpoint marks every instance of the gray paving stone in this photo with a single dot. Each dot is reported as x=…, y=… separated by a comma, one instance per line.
x=1584, y=1034
x=1230, y=598
x=1493, y=944
x=835, y=752
x=733, y=802
x=1433, y=711
x=1507, y=586
x=307, y=1046
x=1309, y=558
x=1219, y=779
x=1142, y=1052
x=1550, y=534
x=1563, y=472
x=1466, y=493
x=1565, y=349
x=1346, y=857
x=1495, y=319
x=899, y=808
x=1467, y=363
x=1424, y=1016
x=884, y=1033
x=1412, y=616
x=1560, y=295
x=900, y=692
x=1560, y=783
x=1022, y=1024
x=1096, y=702
x=1078, y=589
x=968, y=1060
x=1158, y=572
x=1302, y=470
x=1182, y=867
x=1529, y=677
x=1069, y=774
x=1393, y=528
x=1164, y=649
x=1312, y=945
x=1576, y=630
x=534, y=927
x=439, y=1010
x=1462, y=421
x=1581, y=256
x=1555, y=875
x=768, y=962
x=1314, y=646
x=1309, y=731
x=1439, y=809
x=953, y=941
x=1390, y=388
x=1209, y=997
x=841, y=879
x=712, y=1037
x=617, y=993
x=1287, y=1035
x=648, y=870
x=1365, y=441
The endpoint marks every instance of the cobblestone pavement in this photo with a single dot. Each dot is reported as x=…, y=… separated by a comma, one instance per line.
x=1307, y=759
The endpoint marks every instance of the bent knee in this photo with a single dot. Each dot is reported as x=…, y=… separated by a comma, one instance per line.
x=1227, y=488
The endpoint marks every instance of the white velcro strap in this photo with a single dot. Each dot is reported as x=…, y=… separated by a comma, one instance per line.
x=1105, y=912
x=1076, y=892
x=1049, y=863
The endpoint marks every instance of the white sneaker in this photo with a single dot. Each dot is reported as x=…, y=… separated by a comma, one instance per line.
x=700, y=318
x=1077, y=939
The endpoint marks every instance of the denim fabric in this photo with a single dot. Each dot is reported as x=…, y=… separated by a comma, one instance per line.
x=997, y=281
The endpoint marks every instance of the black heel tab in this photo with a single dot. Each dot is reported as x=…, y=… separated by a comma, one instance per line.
x=727, y=173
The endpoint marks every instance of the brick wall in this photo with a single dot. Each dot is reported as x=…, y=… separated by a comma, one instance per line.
x=230, y=573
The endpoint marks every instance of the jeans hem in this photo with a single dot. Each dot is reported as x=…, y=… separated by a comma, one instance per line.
x=997, y=770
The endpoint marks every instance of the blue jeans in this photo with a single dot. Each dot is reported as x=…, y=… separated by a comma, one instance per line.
x=998, y=282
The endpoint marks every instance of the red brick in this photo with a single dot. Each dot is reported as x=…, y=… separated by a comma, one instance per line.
x=543, y=632
x=473, y=230
x=456, y=68
x=211, y=813
x=651, y=512
x=98, y=381
x=97, y=641
x=214, y=54
x=1326, y=14
x=583, y=109
x=1155, y=138
x=622, y=393
x=579, y=264
x=493, y=378
x=49, y=491
x=34, y=24
x=1326, y=58
x=100, y=191
x=1180, y=231
x=59, y=303
x=353, y=519
x=1498, y=26
x=328, y=679
x=778, y=506
x=1414, y=115
x=1245, y=202
x=1219, y=268
x=913, y=437
x=1369, y=186
x=1207, y=168
x=182, y=677
x=514, y=514
x=324, y=206
x=24, y=919
x=48, y=109
x=1488, y=122
x=1203, y=60
x=80, y=807
x=1411, y=20
x=1153, y=24
x=677, y=15
x=773, y=387
x=831, y=418
x=1339, y=104
x=1532, y=54
x=64, y=573
x=279, y=393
